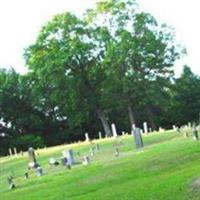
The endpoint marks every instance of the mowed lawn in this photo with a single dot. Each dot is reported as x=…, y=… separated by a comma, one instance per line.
x=165, y=169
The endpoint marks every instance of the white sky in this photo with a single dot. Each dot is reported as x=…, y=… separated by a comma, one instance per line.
x=21, y=20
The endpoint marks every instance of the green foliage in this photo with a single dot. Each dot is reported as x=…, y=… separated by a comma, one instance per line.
x=186, y=98
x=115, y=65
x=26, y=141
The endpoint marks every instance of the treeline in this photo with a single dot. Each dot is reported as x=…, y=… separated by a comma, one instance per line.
x=114, y=65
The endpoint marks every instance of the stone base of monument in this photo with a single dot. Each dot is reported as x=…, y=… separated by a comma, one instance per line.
x=195, y=135
x=33, y=165
x=53, y=162
x=86, y=160
x=39, y=171
x=10, y=182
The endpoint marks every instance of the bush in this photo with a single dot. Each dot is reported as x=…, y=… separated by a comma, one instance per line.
x=26, y=141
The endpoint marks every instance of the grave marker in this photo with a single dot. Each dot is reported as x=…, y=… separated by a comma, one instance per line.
x=195, y=134
x=53, y=161
x=97, y=147
x=26, y=175
x=92, y=151
x=10, y=151
x=32, y=159
x=114, y=131
x=138, y=138
x=86, y=160
x=100, y=135
x=145, y=127
x=116, y=152
x=15, y=151
x=70, y=157
x=39, y=171
x=11, y=183
x=87, y=139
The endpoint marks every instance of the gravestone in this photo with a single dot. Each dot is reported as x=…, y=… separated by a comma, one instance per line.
x=26, y=175
x=161, y=129
x=138, y=138
x=11, y=183
x=97, y=147
x=53, y=161
x=174, y=128
x=92, y=151
x=87, y=139
x=133, y=128
x=32, y=159
x=116, y=152
x=186, y=134
x=195, y=135
x=70, y=156
x=78, y=154
x=100, y=135
x=86, y=160
x=10, y=151
x=145, y=127
x=39, y=171
x=15, y=151
x=114, y=131
x=123, y=133
x=64, y=161
x=21, y=153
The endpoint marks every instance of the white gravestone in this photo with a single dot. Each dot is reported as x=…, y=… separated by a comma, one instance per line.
x=87, y=139
x=100, y=135
x=114, y=131
x=145, y=127
x=15, y=151
x=10, y=151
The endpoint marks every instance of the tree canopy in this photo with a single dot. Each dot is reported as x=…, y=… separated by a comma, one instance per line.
x=113, y=65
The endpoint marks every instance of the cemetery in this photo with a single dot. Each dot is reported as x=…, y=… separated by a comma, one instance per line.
x=99, y=100
x=165, y=165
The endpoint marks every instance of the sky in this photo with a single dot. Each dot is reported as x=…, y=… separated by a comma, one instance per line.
x=21, y=21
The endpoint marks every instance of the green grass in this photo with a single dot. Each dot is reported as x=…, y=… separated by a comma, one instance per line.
x=164, y=169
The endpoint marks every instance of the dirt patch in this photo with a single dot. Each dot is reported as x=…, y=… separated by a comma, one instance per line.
x=196, y=184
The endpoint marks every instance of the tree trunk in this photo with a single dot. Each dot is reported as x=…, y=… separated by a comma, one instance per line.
x=151, y=118
x=104, y=123
x=131, y=116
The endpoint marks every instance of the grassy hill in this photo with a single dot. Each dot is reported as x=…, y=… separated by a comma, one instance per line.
x=165, y=169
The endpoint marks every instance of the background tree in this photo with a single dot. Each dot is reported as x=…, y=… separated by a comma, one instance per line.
x=185, y=103
x=67, y=58
x=139, y=59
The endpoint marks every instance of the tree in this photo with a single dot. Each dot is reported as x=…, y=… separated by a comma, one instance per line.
x=66, y=59
x=185, y=103
x=140, y=57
